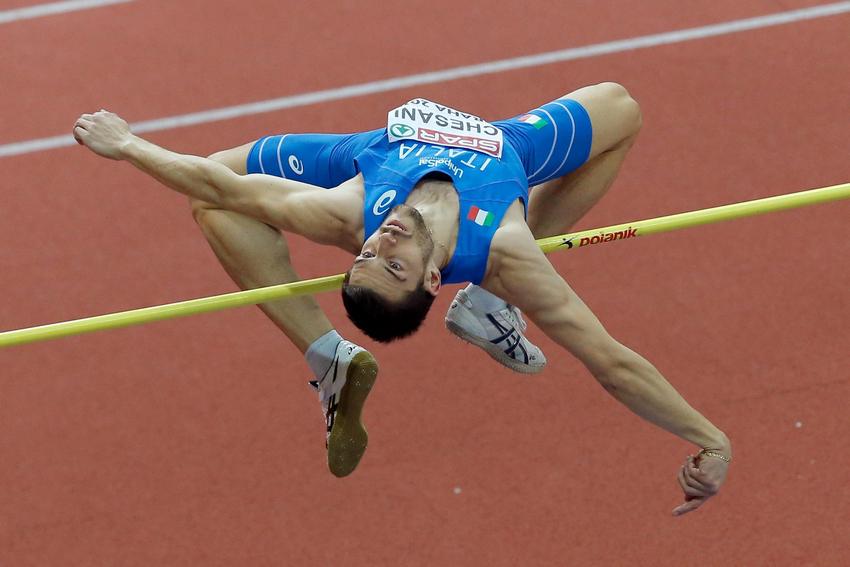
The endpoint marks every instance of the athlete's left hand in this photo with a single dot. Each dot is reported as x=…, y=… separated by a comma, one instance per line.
x=103, y=132
x=700, y=479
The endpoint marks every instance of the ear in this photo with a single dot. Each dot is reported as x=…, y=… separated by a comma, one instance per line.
x=433, y=281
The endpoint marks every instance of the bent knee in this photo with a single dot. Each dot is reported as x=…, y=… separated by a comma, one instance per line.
x=213, y=221
x=614, y=115
x=201, y=210
x=624, y=109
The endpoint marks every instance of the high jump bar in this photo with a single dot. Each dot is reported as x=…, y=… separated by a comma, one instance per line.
x=328, y=283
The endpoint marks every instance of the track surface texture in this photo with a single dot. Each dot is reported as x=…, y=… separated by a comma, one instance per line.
x=198, y=442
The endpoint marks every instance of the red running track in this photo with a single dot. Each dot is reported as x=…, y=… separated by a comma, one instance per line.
x=197, y=442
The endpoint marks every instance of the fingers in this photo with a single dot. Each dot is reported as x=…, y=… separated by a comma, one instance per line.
x=688, y=506
x=80, y=133
x=698, y=485
x=81, y=127
x=711, y=473
x=698, y=478
x=88, y=119
x=691, y=477
x=687, y=488
x=84, y=124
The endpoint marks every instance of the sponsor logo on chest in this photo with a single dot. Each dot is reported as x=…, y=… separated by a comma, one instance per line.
x=384, y=202
x=433, y=123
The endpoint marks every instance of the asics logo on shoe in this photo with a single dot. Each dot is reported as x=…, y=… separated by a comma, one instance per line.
x=330, y=416
x=331, y=404
x=512, y=339
x=499, y=332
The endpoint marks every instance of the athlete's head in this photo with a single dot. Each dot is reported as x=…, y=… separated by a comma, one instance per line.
x=394, y=280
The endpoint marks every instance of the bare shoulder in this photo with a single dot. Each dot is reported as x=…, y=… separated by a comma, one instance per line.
x=520, y=273
x=511, y=242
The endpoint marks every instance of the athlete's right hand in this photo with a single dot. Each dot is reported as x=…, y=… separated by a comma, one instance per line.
x=103, y=132
x=700, y=478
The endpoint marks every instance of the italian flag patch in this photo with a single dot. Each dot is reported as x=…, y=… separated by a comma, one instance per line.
x=480, y=216
x=534, y=120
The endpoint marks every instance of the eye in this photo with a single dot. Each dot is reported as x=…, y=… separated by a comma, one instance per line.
x=367, y=254
x=395, y=266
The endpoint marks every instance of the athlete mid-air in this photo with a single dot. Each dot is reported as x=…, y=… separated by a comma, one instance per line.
x=438, y=196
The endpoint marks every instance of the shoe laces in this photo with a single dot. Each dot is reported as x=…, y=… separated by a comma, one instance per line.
x=514, y=315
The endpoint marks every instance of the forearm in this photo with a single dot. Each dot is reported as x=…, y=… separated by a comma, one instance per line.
x=638, y=385
x=193, y=176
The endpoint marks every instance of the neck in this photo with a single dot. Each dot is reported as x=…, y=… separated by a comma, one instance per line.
x=443, y=230
x=437, y=202
x=441, y=254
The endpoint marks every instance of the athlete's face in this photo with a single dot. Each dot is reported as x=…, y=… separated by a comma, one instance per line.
x=396, y=259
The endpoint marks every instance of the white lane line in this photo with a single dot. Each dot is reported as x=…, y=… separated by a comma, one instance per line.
x=374, y=87
x=40, y=10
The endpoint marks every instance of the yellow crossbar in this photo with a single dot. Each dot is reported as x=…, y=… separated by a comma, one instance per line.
x=328, y=283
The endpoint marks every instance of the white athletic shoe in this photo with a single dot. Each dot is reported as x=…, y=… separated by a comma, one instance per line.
x=342, y=392
x=499, y=333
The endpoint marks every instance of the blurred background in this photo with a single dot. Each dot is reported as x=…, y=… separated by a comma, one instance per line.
x=198, y=442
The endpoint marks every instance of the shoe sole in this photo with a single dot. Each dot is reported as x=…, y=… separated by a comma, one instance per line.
x=348, y=439
x=491, y=349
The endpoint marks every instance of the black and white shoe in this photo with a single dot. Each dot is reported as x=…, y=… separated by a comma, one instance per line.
x=342, y=392
x=500, y=333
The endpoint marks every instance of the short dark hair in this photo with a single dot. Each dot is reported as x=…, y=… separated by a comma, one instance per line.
x=383, y=320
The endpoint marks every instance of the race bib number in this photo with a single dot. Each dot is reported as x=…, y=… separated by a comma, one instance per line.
x=432, y=123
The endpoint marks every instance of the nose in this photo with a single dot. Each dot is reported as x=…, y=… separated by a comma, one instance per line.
x=387, y=238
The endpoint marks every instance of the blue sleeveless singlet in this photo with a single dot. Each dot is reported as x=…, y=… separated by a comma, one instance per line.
x=486, y=187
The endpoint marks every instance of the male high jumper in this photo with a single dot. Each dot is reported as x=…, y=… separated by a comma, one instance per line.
x=438, y=196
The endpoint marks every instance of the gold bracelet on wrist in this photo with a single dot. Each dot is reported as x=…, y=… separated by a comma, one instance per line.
x=709, y=452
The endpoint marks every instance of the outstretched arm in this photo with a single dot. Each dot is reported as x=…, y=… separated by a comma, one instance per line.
x=296, y=207
x=525, y=278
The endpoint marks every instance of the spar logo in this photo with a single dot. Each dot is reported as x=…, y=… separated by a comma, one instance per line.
x=489, y=147
x=401, y=130
x=604, y=237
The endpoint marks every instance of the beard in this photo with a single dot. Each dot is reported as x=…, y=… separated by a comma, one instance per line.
x=421, y=233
